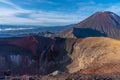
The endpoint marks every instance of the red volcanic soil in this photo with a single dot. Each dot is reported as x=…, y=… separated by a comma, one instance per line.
x=16, y=54
x=29, y=43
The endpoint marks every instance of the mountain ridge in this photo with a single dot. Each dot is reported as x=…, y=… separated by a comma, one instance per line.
x=106, y=23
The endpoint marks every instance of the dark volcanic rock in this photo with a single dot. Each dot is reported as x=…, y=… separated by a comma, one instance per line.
x=35, y=55
x=87, y=32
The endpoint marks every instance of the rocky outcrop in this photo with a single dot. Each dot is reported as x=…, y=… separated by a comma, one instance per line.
x=35, y=55
x=92, y=55
x=23, y=55
x=95, y=55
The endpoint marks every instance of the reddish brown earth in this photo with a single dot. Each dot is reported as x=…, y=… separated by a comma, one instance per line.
x=23, y=55
x=34, y=55
x=67, y=55
x=28, y=43
x=107, y=69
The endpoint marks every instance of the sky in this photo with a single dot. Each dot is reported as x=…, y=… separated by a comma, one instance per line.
x=52, y=12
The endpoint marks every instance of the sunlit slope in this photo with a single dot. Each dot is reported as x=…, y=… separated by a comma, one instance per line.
x=95, y=52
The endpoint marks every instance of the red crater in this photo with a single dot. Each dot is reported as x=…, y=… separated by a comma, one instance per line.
x=29, y=43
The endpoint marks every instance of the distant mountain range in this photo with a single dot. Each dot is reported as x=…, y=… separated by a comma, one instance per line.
x=13, y=30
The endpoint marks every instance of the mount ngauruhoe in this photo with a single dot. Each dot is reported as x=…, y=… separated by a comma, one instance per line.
x=105, y=24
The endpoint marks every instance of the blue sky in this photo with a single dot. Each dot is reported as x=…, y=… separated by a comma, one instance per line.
x=52, y=12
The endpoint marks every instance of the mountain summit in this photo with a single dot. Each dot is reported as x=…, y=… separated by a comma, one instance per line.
x=99, y=24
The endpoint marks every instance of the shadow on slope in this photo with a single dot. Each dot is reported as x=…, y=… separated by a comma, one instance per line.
x=56, y=58
x=15, y=59
x=87, y=32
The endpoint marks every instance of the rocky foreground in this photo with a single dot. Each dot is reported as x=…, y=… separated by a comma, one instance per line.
x=65, y=76
x=92, y=58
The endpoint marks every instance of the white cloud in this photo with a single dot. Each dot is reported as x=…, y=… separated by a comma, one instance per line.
x=18, y=15
x=9, y=16
x=8, y=2
x=114, y=8
x=37, y=21
x=9, y=29
x=47, y=1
